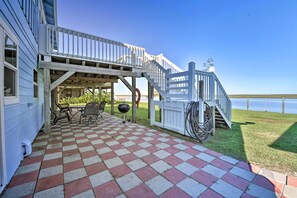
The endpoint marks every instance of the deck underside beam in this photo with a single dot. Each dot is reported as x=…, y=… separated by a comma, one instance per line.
x=87, y=69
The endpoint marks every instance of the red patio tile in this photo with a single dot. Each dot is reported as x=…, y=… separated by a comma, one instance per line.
x=171, y=142
x=189, y=144
x=244, y=165
x=173, y=160
x=99, y=146
x=117, y=147
x=197, y=162
x=49, y=182
x=155, y=142
x=120, y=171
x=174, y=192
x=31, y=160
x=23, y=178
x=80, y=138
x=108, y=190
x=204, y=178
x=108, y=155
x=141, y=191
x=95, y=168
x=53, y=150
x=134, y=148
x=50, y=163
x=129, y=157
x=88, y=154
x=152, y=149
x=213, y=153
x=209, y=193
x=174, y=176
x=268, y=184
x=236, y=181
x=150, y=159
x=54, y=142
x=77, y=186
x=69, y=143
x=73, y=165
x=172, y=150
x=292, y=181
x=70, y=152
x=84, y=144
x=192, y=151
x=222, y=164
x=146, y=173
x=139, y=141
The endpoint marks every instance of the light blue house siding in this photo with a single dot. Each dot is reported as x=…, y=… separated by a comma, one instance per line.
x=22, y=120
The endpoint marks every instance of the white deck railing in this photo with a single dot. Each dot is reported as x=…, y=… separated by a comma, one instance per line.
x=70, y=43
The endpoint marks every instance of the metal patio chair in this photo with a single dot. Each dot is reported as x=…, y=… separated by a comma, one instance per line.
x=65, y=107
x=101, y=108
x=90, y=113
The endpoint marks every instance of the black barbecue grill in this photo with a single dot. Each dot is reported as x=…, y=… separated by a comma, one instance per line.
x=124, y=108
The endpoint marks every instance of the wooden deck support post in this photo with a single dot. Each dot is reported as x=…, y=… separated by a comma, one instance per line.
x=112, y=99
x=283, y=104
x=100, y=94
x=93, y=93
x=150, y=94
x=54, y=98
x=133, y=100
x=47, y=96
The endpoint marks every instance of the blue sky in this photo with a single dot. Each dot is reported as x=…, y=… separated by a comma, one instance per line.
x=253, y=43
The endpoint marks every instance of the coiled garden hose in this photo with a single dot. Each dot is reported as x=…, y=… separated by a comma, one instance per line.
x=196, y=130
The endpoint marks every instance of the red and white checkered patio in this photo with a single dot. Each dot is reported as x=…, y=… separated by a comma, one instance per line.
x=128, y=160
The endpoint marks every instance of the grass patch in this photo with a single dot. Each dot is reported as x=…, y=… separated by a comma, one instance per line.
x=263, y=138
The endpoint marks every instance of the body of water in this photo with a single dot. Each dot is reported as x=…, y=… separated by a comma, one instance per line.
x=265, y=104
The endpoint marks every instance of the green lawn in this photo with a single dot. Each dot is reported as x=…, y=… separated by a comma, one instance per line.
x=266, y=139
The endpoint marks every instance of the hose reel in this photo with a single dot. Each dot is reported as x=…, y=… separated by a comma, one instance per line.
x=194, y=128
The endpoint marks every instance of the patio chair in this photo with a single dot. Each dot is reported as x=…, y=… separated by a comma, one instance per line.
x=101, y=108
x=59, y=115
x=90, y=112
x=63, y=107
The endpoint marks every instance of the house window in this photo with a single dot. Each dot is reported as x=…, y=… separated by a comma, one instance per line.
x=35, y=83
x=10, y=70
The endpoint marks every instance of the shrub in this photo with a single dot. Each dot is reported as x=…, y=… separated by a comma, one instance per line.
x=105, y=96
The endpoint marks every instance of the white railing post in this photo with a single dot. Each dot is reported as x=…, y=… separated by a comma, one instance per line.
x=191, y=80
x=212, y=87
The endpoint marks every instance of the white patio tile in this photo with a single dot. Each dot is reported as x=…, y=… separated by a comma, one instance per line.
x=128, y=144
x=71, y=158
x=162, y=145
x=148, y=139
x=47, y=172
x=183, y=155
x=186, y=168
x=205, y=157
x=128, y=181
x=70, y=147
x=191, y=187
x=121, y=152
x=243, y=173
x=85, y=149
x=229, y=159
x=136, y=164
x=159, y=184
x=52, y=156
x=217, y=172
x=199, y=148
x=161, y=154
x=181, y=146
x=113, y=162
x=103, y=150
x=100, y=178
x=28, y=168
x=57, y=192
x=225, y=189
x=141, y=153
x=91, y=160
x=74, y=175
x=20, y=191
x=112, y=143
x=161, y=166
x=86, y=194
x=145, y=144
